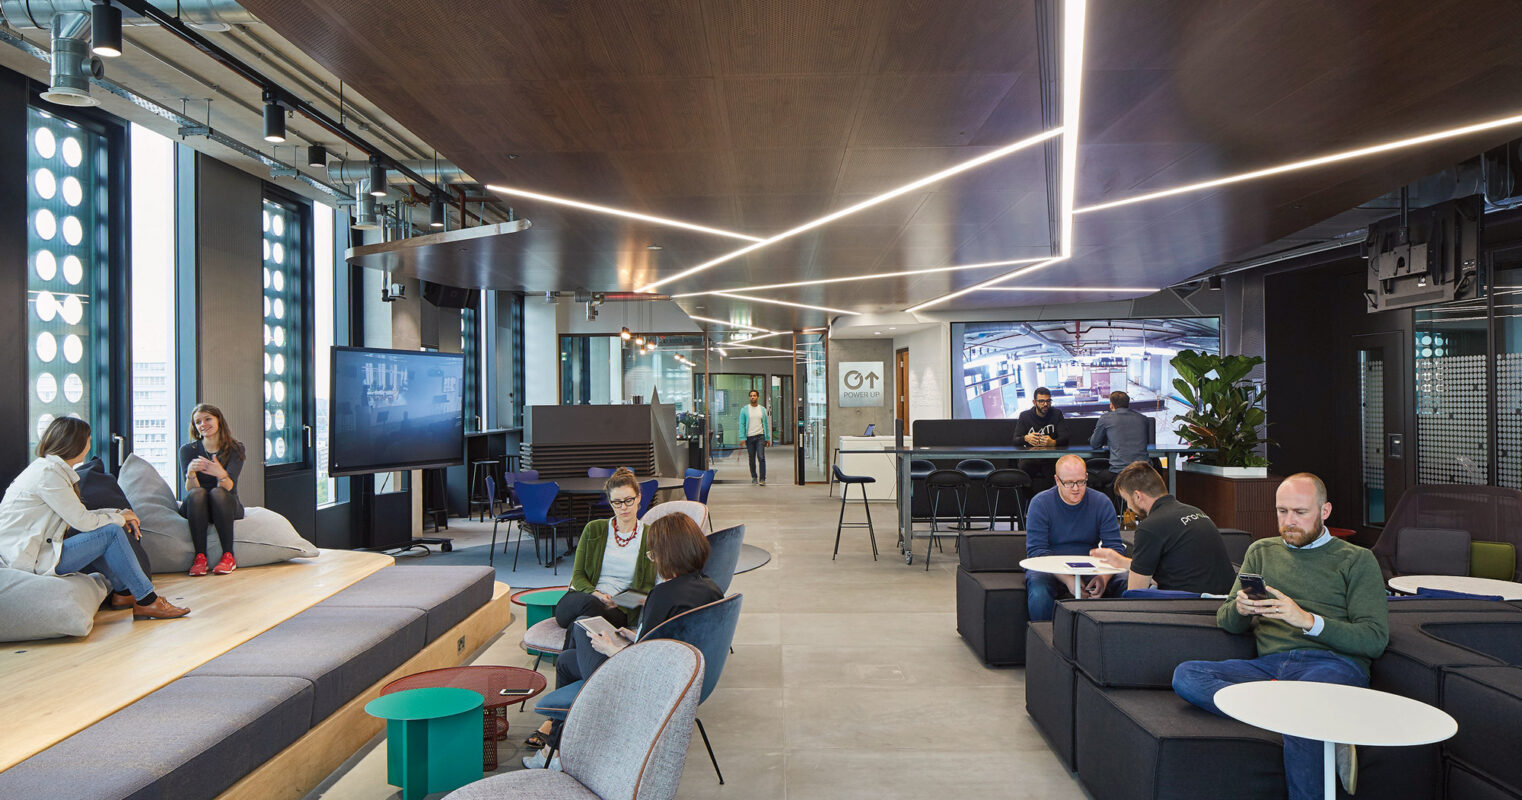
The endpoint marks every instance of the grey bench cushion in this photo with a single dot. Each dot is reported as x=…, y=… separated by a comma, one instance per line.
x=1486, y=702
x=1469, y=785
x=446, y=594
x=1064, y=616
x=191, y=739
x=1049, y=690
x=1412, y=664
x=1141, y=650
x=341, y=651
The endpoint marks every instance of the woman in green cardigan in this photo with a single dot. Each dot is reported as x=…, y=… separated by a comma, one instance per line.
x=610, y=558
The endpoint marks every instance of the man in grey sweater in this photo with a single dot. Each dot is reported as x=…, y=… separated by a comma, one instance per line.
x=1125, y=432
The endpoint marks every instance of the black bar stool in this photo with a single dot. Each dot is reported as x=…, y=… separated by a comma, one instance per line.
x=845, y=490
x=480, y=472
x=938, y=483
x=1003, y=483
x=977, y=471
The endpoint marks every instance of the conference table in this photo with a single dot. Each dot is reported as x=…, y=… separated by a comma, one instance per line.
x=594, y=486
x=904, y=455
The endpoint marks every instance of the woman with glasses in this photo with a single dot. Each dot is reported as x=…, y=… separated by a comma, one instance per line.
x=679, y=551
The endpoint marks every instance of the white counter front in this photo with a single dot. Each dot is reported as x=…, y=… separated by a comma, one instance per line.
x=880, y=467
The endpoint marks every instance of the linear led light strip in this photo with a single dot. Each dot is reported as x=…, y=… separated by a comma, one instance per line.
x=618, y=212
x=753, y=299
x=742, y=326
x=865, y=204
x=748, y=346
x=1311, y=162
x=1073, y=13
x=1141, y=289
x=871, y=276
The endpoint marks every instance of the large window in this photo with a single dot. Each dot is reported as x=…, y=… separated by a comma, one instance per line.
x=154, y=426
x=283, y=388
x=600, y=370
x=68, y=245
x=1001, y=364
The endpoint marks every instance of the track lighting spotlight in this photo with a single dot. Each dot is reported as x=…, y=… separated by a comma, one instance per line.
x=274, y=119
x=436, y=212
x=377, y=177
x=105, y=30
x=317, y=155
x=625, y=334
x=639, y=341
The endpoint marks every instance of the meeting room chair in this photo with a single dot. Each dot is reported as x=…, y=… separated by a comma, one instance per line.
x=724, y=555
x=977, y=471
x=512, y=514
x=537, y=498
x=646, y=699
x=600, y=504
x=940, y=483
x=710, y=628
x=699, y=490
x=846, y=482
x=1008, y=486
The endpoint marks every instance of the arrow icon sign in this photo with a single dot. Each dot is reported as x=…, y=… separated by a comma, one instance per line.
x=872, y=380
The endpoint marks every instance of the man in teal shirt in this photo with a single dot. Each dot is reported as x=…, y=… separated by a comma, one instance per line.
x=1325, y=619
x=756, y=427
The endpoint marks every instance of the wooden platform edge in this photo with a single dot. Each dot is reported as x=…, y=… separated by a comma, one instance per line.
x=298, y=769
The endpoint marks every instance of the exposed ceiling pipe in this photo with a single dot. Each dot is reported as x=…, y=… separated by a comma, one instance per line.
x=72, y=64
x=206, y=15
x=355, y=170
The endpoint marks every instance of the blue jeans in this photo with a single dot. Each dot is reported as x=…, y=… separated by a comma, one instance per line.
x=1043, y=590
x=105, y=550
x=1198, y=681
x=756, y=447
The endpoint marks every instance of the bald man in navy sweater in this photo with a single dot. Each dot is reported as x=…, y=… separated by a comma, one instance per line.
x=1069, y=519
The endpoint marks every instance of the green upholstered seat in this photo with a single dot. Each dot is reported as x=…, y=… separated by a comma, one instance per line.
x=1495, y=560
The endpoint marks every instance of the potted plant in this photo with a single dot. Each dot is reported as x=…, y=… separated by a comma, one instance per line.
x=1226, y=413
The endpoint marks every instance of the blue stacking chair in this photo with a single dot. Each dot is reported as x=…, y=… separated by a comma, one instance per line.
x=647, y=490
x=513, y=513
x=710, y=628
x=695, y=486
x=724, y=555
x=601, y=503
x=537, y=499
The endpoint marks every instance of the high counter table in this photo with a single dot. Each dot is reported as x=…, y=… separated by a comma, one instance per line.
x=990, y=452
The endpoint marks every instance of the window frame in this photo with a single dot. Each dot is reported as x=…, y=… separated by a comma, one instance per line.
x=307, y=425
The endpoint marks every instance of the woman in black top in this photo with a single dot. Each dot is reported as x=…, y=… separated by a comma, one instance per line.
x=679, y=550
x=212, y=463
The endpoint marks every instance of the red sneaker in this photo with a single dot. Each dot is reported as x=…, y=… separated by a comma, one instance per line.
x=198, y=567
x=226, y=565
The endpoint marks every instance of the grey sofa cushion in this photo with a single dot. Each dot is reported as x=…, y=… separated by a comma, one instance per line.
x=1064, y=616
x=341, y=651
x=991, y=614
x=1487, y=703
x=1141, y=650
x=1469, y=785
x=1431, y=551
x=1412, y=604
x=991, y=551
x=446, y=594
x=1049, y=690
x=1150, y=743
x=1499, y=638
x=1413, y=661
x=261, y=537
x=191, y=739
x=48, y=606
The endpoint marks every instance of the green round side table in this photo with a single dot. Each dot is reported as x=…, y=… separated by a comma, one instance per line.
x=433, y=739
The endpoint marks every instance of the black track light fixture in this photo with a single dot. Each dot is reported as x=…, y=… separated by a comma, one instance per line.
x=274, y=118
x=377, y=177
x=105, y=30
x=436, y=212
x=625, y=334
x=317, y=155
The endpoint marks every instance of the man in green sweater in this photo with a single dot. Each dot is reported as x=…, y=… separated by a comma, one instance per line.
x=1324, y=620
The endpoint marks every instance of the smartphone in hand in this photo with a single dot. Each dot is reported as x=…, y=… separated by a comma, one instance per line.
x=1253, y=585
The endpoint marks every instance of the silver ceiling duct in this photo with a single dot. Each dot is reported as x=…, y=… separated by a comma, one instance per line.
x=206, y=15
x=73, y=65
x=356, y=170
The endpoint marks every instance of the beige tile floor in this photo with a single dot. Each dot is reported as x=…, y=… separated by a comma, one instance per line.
x=848, y=678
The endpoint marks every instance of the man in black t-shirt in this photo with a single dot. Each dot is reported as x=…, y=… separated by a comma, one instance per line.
x=1040, y=425
x=1177, y=546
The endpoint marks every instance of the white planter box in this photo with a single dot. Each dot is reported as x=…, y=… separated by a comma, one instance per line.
x=1224, y=472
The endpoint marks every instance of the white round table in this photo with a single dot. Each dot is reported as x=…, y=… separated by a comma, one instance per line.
x=1335, y=714
x=1408, y=584
x=1059, y=565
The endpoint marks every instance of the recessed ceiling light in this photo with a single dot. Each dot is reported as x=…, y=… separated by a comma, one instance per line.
x=865, y=204
x=1311, y=162
x=1073, y=14
x=877, y=333
x=752, y=299
x=617, y=212
x=749, y=346
x=893, y=327
x=872, y=276
x=654, y=247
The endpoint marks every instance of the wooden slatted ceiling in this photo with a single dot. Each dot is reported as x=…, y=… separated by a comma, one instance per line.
x=757, y=116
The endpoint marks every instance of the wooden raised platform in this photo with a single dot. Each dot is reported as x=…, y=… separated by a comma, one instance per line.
x=58, y=687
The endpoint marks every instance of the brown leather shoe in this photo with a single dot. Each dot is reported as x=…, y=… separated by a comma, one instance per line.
x=158, y=609
x=120, y=601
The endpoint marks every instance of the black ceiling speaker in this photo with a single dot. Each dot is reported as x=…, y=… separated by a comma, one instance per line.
x=449, y=296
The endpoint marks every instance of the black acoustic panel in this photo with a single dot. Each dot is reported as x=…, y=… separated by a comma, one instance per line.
x=449, y=296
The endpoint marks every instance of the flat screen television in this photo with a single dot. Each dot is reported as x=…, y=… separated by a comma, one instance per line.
x=395, y=410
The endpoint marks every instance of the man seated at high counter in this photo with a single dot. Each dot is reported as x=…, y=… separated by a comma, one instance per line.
x=1069, y=519
x=1041, y=425
x=1177, y=546
x=1124, y=432
x=1325, y=620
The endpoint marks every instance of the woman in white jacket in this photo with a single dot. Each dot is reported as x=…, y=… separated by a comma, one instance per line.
x=43, y=504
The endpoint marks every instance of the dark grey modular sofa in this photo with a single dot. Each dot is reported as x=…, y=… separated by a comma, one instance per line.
x=1098, y=686
x=991, y=591
x=198, y=735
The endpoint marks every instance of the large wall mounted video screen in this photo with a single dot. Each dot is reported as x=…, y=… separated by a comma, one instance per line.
x=395, y=410
x=996, y=366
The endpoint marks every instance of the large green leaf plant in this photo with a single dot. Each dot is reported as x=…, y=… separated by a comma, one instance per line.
x=1226, y=410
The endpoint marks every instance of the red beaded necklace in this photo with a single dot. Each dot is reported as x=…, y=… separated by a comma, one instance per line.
x=622, y=541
